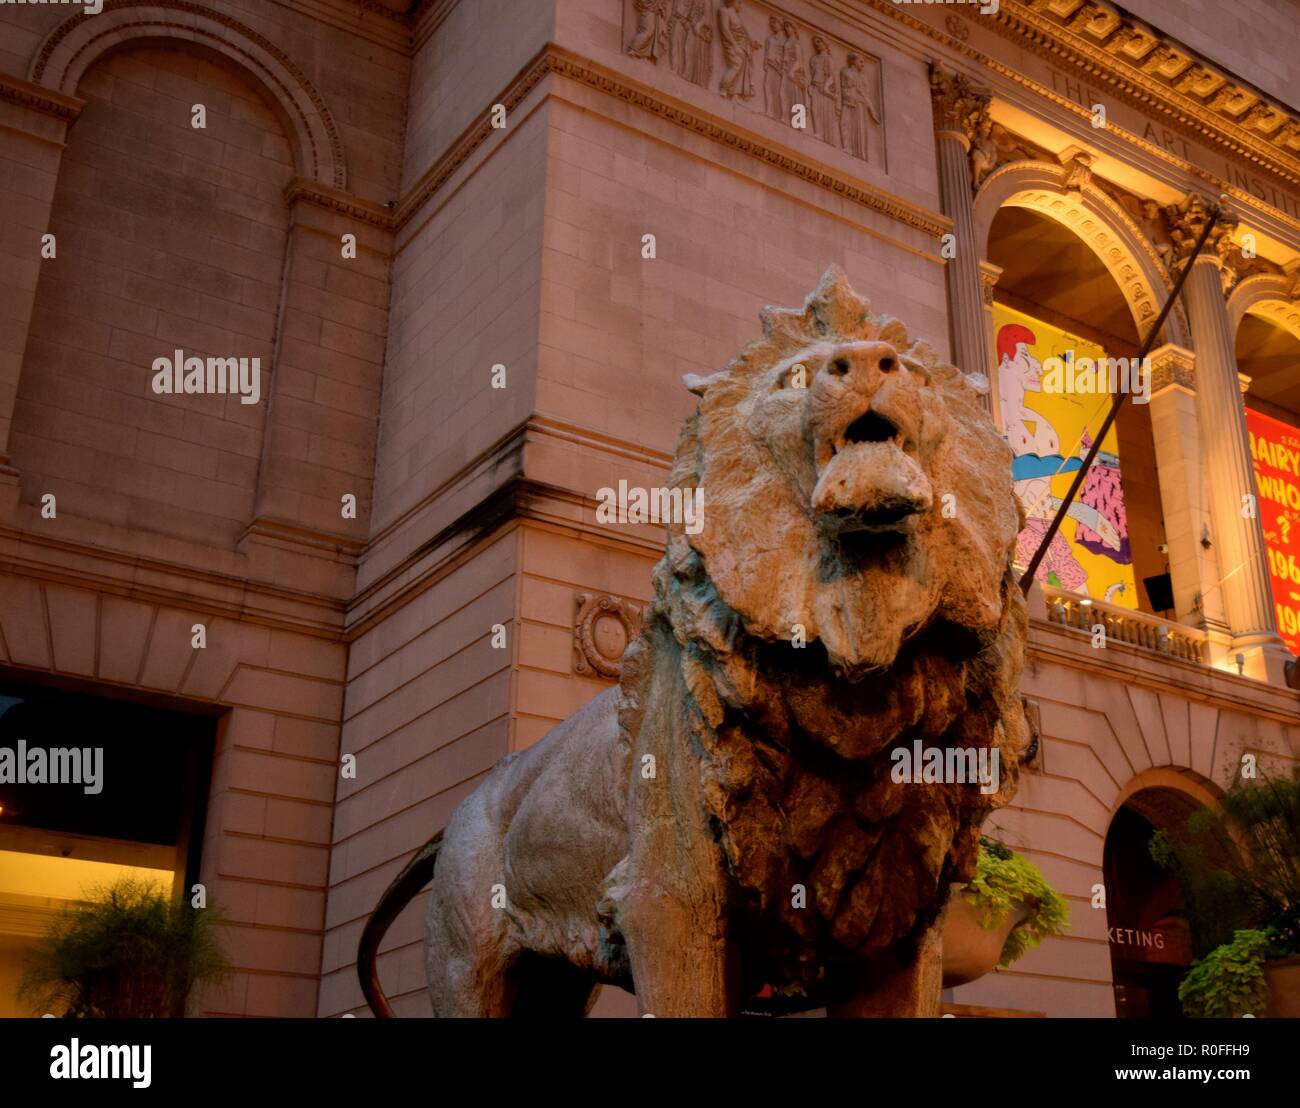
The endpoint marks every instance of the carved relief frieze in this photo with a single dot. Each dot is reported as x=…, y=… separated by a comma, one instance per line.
x=786, y=70
x=602, y=628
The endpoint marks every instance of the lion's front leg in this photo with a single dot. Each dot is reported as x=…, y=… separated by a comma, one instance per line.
x=682, y=963
x=909, y=983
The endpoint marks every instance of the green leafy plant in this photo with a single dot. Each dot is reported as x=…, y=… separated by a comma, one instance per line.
x=131, y=951
x=1003, y=878
x=1229, y=981
x=1239, y=868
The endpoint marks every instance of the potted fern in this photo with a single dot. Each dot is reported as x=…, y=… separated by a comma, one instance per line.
x=130, y=951
x=1005, y=911
x=1239, y=869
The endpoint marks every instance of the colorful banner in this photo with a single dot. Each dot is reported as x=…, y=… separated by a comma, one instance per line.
x=1048, y=430
x=1275, y=447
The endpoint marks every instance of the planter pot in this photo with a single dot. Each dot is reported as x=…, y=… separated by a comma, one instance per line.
x=1283, y=977
x=969, y=951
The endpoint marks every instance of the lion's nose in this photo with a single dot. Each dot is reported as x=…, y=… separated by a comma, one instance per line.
x=861, y=365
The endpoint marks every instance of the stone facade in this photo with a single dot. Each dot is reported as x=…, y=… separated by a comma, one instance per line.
x=517, y=255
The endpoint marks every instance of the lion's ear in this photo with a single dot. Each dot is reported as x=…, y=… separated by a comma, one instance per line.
x=697, y=384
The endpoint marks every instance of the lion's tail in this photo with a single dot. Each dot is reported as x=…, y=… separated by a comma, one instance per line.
x=414, y=876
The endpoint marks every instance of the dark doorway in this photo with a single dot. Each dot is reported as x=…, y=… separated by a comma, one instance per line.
x=1147, y=931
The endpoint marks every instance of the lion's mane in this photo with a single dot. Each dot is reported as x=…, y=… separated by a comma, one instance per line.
x=794, y=741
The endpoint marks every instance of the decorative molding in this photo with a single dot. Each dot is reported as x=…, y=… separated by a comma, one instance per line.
x=78, y=41
x=1040, y=36
x=1098, y=219
x=1172, y=365
x=1274, y=296
x=1156, y=71
x=1033, y=756
x=41, y=558
x=1078, y=173
x=556, y=61
x=956, y=101
x=1186, y=220
x=602, y=629
x=990, y=275
x=304, y=190
x=26, y=94
x=961, y=112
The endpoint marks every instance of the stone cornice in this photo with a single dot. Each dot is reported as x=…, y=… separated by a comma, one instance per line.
x=169, y=584
x=1050, y=643
x=15, y=90
x=556, y=61
x=1145, y=67
x=1157, y=71
x=1046, y=43
x=304, y=190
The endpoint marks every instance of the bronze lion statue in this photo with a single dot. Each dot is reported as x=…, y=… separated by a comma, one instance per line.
x=731, y=815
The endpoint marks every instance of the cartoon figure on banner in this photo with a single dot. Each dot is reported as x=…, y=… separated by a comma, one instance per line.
x=1076, y=562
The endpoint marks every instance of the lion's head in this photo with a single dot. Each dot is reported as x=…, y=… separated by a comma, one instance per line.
x=850, y=590
x=853, y=486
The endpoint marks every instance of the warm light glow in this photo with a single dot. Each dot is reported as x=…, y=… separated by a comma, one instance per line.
x=67, y=878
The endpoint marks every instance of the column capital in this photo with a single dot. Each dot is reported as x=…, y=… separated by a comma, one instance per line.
x=990, y=274
x=957, y=101
x=1172, y=366
x=1186, y=220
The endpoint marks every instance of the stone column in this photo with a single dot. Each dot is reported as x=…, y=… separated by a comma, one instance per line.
x=1184, y=498
x=34, y=122
x=1225, y=448
x=956, y=104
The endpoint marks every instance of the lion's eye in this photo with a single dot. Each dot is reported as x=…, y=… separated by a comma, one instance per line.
x=887, y=364
x=839, y=367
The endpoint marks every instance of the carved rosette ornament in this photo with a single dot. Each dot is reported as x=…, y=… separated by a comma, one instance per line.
x=602, y=629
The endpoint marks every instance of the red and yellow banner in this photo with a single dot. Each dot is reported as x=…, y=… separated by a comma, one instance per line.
x=1275, y=448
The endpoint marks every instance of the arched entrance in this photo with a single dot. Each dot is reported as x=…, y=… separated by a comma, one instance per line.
x=1076, y=285
x=1150, y=943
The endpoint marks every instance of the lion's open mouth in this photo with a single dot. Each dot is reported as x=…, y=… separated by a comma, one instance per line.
x=869, y=482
